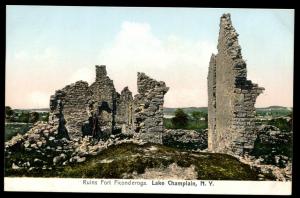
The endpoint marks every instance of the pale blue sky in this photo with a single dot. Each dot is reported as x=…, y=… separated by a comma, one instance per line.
x=48, y=47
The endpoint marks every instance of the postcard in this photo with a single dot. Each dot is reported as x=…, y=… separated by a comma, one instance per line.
x=149, y=100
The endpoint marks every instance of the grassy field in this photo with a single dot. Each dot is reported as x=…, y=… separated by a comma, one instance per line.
x=197, y=125
x=13, y=128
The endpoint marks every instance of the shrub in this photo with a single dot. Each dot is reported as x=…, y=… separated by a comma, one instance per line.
x=24, y=117
x=281, y=123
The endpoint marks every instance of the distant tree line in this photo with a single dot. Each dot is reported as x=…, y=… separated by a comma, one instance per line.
x=273, y=112
x=24, y=116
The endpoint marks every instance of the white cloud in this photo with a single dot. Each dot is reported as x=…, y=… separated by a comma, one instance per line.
x=180, y=62
x=85, y=74
x=38, y=99
x=31, y=75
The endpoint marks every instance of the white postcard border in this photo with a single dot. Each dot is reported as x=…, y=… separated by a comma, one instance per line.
x=147, y=186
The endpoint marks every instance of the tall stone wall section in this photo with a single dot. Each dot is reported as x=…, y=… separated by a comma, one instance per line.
x=148, y=109
x=231, y=97
x=104, y=96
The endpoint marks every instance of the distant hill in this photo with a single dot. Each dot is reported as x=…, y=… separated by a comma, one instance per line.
x=36, y=110
x=276, y=109
x=168, y=110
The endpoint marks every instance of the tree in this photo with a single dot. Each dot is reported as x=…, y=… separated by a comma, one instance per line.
x=33, y=117
x=180, y=120
x=8, y=112
x=24, y=117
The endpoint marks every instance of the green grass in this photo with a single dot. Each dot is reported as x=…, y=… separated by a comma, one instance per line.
x=192, y=125
x=12, y=129
x=129, y=158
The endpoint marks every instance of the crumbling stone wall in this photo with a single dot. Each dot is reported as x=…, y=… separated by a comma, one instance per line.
x=148, y=108
x=82, y=103
x=73, y=98
x=231, y=97
x=99, y=110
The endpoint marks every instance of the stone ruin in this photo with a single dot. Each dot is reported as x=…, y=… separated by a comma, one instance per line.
x=148, y=111
x=231, y=97
x=99, y=110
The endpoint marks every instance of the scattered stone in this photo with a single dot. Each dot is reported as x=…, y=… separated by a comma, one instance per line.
x=173, y=171
x=187, y=139
x=31, y=169
x=26, y=144
x=80, y=159
x=15, y=167
x=39, y=144
x=57, y=160
x=106, y=161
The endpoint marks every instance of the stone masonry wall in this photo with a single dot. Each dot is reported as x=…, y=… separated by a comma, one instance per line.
x=124, y=113
x=73, y=98
x=99, y=110
x=212, y=136
x=231, y=96
x=81, y=102
x=148, y=109
x=104, y=92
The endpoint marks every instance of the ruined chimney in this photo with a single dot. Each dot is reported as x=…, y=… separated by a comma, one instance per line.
x=100, y=72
